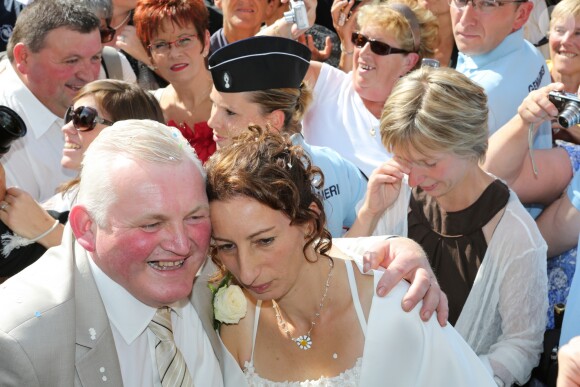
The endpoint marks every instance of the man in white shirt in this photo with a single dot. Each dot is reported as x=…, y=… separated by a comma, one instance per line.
x=136, y=239
x=54, y=50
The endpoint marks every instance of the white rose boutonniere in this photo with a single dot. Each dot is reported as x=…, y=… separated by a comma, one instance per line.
x=229, y=303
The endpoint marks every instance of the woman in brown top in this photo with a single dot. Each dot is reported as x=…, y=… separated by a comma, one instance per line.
x=482, y=244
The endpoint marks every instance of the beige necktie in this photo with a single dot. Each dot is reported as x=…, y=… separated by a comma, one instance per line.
x=170, y=363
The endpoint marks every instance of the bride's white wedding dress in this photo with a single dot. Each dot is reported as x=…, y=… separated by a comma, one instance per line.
x=400, y=350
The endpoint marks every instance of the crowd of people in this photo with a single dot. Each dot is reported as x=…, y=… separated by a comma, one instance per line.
x=289, y=193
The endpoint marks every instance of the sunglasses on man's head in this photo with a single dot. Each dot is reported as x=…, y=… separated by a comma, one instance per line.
x=379, y=48
x=84, y=118
x=107, y=33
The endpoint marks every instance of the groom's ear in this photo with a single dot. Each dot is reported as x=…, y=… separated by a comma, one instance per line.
x=84, y=227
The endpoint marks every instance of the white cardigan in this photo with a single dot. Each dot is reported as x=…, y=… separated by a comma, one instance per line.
x=504, y=316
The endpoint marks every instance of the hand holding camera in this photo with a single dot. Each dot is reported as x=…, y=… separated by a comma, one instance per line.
x=568, y=105
x=298, y=15
x=537, y=107
x=294, y=22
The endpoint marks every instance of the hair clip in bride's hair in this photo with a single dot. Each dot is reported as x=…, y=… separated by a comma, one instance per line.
x=316, y=179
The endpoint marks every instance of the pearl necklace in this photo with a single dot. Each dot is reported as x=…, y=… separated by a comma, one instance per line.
x=305, y=341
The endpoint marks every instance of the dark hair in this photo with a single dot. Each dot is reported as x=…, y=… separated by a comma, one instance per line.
x=42, y=16
x=266, y=167
x=149, y=15
x=12, y=127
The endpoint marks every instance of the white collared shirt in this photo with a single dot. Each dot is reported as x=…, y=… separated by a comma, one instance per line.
x=33, y=162
x=135, y=343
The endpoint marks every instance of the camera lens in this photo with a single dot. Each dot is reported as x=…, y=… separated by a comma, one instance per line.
x=11, y=128
x=570, y=115
x=290, y=16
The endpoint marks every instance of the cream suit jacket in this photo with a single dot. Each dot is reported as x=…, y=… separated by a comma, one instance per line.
x=54, y=330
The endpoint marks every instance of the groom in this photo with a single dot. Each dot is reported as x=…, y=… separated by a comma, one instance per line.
x=81, y=315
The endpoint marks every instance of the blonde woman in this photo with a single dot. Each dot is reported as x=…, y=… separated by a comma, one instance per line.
x=390, y=40
x=484, y=247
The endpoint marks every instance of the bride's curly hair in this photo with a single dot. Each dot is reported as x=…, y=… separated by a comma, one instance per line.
x=266, y=167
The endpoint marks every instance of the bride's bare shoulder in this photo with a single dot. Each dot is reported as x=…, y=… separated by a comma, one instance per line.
x=238, y=337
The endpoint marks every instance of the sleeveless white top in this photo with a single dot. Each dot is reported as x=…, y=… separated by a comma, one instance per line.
x=348, y=378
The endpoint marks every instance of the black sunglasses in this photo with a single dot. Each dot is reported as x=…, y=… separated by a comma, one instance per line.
x=379, y=48
x=84, y=118
x=107, y=33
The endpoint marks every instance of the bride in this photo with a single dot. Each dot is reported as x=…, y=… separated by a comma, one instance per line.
x=312, y=318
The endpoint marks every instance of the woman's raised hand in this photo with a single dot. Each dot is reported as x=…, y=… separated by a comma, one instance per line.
x=384, y=186
x=382, y=190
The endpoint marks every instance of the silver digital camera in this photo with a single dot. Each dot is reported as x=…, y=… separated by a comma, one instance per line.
x=297, y=14
x=568, y=106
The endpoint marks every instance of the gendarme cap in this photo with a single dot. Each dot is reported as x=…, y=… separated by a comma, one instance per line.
x=259, y=63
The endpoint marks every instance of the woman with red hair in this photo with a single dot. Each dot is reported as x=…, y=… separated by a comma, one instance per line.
x=176, y=37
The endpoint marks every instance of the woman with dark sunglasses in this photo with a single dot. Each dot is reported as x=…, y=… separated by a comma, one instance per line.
x=389, y=41
x=98, y=105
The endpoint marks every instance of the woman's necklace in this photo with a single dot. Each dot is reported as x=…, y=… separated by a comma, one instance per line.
x=369, y=117
x=372, y=130
x=305, y=341
x=123, y=22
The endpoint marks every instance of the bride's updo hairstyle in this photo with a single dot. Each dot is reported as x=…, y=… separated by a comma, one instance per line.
x=266, y=167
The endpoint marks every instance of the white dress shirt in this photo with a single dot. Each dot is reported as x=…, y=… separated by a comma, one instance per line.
x=33, y=162
x=135, y=343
